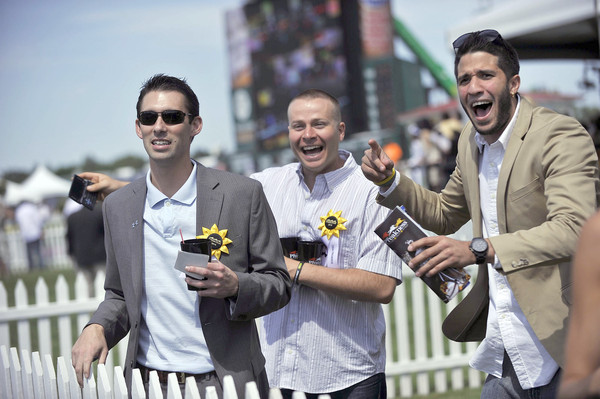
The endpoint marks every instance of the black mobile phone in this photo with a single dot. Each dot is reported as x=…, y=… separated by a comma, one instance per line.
x=80, y=194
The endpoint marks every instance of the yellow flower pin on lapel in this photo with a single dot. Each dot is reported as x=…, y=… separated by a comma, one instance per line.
x=332, y=223
x=218, y=240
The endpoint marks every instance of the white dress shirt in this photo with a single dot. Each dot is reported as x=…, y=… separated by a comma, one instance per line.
x=507, y=326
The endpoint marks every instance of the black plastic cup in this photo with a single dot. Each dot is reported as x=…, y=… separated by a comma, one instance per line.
x=197, y=246
x=290, y=247
x=310, y=251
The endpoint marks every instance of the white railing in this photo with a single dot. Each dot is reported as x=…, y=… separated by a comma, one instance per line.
x=32, y=376
x=54, y=246
x=414, y=342
x=420, y=360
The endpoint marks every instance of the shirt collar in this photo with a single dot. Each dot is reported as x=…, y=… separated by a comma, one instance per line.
x=185, y=195
x=334, y=177
x=503, y=139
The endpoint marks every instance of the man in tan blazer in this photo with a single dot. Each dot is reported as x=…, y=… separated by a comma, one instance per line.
x=527, y=177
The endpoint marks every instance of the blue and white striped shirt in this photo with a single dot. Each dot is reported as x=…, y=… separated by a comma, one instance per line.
x=321, y=342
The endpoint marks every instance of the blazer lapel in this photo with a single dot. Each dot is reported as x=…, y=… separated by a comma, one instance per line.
x=512, y=150
x=135, y=208
x=209, y=203
x=471, y=176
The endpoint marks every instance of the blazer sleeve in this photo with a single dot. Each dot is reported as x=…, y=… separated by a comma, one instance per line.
x=267, y=285
x=112, y=311
x=552, y=189
x=442, y=213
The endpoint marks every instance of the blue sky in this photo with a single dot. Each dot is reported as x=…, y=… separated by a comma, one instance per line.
x=70, y=71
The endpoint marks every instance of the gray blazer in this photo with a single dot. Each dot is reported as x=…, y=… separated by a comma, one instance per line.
x=231, y=201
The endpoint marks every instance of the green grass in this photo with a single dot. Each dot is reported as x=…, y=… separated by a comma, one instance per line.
x=462, y=394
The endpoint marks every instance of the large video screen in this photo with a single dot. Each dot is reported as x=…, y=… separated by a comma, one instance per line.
x=294, y=45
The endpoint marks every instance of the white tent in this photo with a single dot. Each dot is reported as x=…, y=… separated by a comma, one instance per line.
x=541, y=29
x=41, y=184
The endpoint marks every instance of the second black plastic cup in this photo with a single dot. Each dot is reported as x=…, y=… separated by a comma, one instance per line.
x=197, y=246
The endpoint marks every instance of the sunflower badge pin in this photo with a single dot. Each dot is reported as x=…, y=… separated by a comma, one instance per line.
x=218, y=240
x=331, y=224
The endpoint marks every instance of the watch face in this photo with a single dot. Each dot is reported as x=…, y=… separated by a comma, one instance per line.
x=479, y=245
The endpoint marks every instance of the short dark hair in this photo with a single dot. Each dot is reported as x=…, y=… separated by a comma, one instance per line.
x=508, y=59
x=162, y=82
x=318, y=93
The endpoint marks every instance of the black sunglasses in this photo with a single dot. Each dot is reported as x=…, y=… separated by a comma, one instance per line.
x=488, y=34
x=170, y=117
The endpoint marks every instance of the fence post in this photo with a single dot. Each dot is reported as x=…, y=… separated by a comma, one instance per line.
x=21, y=301
x=229, y=388
x=42, y=298
x=16, y=377
x=38, y=375
x=64, y=322
x=49, y=378
x=191, y=389
x=173, y=390
x=211, y=393
x=251, y=391
x=119, y=385
x=137, y=385
x=420, y=334
x=27, y=374
x=154, y=390
x=89, y=387
x=74, y=387
x=104, y=388
x=62, y=378
x=436, y=339
x=4, y=330
x=402, y=334
x=5, y=387
x=275, y=393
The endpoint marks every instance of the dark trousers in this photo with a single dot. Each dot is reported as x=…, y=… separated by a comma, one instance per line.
x=372, y=388
x=34, y=255
x=508, y=385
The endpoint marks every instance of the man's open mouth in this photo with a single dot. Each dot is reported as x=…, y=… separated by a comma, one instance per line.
x=312, y=149
x=481, y=108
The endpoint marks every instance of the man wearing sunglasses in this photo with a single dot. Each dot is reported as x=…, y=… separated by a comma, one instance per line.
x=330, y=338
x=527, y=178
x=209, y=333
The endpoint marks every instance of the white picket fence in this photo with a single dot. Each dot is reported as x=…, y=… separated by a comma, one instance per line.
x=28, y=377
x=54, y=246
x=420, y=360
x=416, y=348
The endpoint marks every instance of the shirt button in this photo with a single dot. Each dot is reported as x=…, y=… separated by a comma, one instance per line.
x=168, y=203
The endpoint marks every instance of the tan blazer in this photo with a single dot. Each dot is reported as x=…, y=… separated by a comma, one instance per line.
x=548, y=186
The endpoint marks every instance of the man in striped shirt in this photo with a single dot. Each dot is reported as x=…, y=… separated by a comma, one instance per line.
x=330, y=338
